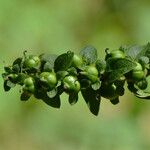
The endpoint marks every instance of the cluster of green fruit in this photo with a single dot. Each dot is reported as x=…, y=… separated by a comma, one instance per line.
x=48, y=76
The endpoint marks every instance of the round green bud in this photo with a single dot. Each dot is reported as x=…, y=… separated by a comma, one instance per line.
x=49, y=78
x=77, y=61
x=32, y=62
x=137, y=72
x=117, y=54
x=29, y=81
x=71, y=84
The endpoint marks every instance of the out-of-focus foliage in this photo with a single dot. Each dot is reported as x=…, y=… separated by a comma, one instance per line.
x=55, y=26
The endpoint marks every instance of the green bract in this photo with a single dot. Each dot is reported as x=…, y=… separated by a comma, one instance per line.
x=47, y=76
x=109, y=91
x=71, y=84
x=142, y=84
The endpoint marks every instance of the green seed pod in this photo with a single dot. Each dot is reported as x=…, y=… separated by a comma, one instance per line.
x=137, y=72
x=91, y=73
x=77, y=61
x=49, y=78
x=117, y=54
x=29, y=81
x=29, y=85
x=32, y=62
x=71, y=84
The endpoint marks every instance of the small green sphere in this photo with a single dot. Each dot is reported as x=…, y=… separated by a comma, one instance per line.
x=137, y=72
x=32, y=62
x=71, y=84
x=77, y=61
x=29, y=81
x=117, y=54
x=49, y=78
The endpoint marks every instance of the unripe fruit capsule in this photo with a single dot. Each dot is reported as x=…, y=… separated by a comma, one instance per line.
x=49, y=78
x=137, y=72
x=117, y=54
x=32, y=62
x=71, y=84
x=77, y=61
x=29, y=81
x=91, y=73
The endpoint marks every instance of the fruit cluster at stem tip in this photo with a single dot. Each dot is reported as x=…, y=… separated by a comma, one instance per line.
x=47, y=76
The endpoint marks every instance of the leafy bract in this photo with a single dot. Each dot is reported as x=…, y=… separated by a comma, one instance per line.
x=89, y=54
x=143, y=95
x=73, y=98
x=47, y=61
x=93, y=99
x=100, y=65
x=118, y=67
x=42, y=94
x=136, y=51
x=63, y=62
x=25, y=96
x=6, y=87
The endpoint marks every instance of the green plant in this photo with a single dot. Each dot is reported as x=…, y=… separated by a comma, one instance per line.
x=48, y=76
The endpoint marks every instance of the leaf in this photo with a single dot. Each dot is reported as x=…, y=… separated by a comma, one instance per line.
x=61, y=74
x=117, y=67
x=96, y=85
x=89, y=54
x=25, y=96
x=147, y=50
x=48, y=58
x=47, y=67
x=115, y=101
x=63, y=62
x=101, y=65
x=47, y=61
x=10, y=84
x=72, y=71
x=85, y=83
x=6, y=87
x=135, y=51
x=143, y=60
x=4, y=75
x=92, y=98
x=73, y=98
x=16, y=68
x=53, y=102
x=138, y=93
x=18, y=61
x=132, y=88
x=42, y=94
x=52, y=93
x=8, y=69
x=143, y=95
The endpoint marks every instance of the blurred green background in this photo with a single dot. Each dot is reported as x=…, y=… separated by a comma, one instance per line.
x=55, y=26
